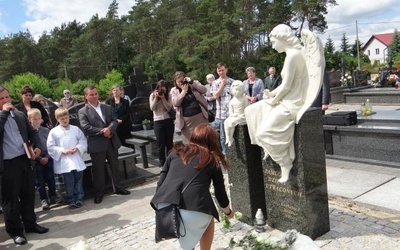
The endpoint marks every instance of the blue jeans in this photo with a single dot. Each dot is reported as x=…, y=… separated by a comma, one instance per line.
x=219, y=124
x=45, y=174
x=73, y=186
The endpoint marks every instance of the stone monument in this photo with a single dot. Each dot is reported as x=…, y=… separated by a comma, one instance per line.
x=140, y=110
x=292, y=137
x=271, y=121
x=301, y=203
x=246, y=175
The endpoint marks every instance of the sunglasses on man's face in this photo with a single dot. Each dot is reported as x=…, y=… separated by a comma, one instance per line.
x=66, y=93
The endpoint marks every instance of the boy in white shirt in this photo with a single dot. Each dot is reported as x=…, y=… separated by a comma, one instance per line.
x=66, y=144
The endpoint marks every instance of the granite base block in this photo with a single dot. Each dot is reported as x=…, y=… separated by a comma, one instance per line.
x=246, y=175
x=302, y=202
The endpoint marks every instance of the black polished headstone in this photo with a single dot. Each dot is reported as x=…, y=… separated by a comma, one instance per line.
x=246, y=175
x=130, y=90
x=51, y=107
x=143, y=89
x=140, y=110
x=334, y=78
x=360, y=78
x=73, y=114
x=302, y=202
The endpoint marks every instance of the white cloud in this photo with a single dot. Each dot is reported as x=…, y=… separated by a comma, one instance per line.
x=373, y=17
x=347, y=10
x=44, y=15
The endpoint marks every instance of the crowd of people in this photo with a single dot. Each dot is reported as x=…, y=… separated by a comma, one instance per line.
x=33, y=150
x=59, y=148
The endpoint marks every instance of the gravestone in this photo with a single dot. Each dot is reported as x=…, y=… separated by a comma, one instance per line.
x=130, y=90
x=302, y=202
x=361, y=78
x=144, y=89
x=73, y=114
x=334, y=78
x=51, y=107
x=140, y=110
x=246, y=175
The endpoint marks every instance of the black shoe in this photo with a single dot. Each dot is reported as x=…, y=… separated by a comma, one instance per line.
x=19, y=240
x=37, y=229
x=98, y=199
x=123, y=192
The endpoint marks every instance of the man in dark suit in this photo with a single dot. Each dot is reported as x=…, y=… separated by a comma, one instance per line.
x=99, y=125
x=272, y=81
x=18, y=175
x=323, y=98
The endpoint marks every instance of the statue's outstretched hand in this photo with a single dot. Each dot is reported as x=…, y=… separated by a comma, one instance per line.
x=266, y=94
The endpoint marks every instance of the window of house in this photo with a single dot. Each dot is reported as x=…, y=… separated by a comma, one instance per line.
x=377, y=51
x=369, y=52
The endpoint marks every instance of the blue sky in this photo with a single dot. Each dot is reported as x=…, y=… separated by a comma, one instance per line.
x=373, y=16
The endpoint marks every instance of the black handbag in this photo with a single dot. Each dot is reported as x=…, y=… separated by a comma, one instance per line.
x=167, y=223
x=172, y=113
x=168, y=220
x=211, y=115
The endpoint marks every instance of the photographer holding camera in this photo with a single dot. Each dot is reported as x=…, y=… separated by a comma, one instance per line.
x=160, y=104
x=191, y=106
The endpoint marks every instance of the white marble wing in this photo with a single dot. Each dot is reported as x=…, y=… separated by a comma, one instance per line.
x=313, y=53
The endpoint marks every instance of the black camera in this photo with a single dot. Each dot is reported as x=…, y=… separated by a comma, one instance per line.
x=160, y=91
x=187, y=81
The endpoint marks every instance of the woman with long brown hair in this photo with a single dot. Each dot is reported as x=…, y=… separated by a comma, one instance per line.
x=160, y=104
x=197, y=208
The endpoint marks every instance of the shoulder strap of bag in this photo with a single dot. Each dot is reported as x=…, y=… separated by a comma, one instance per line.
x=201, y=104
x=179, y=214
x=187, y=185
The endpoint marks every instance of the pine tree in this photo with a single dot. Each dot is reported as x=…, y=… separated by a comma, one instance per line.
x=344, y=46
x=112, y=12
x=394, y=47
x=329, y=46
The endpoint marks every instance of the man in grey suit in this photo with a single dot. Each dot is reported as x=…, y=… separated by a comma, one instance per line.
x=272, y=81
x=99, y=125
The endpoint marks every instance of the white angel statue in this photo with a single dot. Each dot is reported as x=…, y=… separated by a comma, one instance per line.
x=271, y=121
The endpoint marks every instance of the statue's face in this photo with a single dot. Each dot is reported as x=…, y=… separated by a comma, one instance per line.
x=277, y=44
x=237, y=89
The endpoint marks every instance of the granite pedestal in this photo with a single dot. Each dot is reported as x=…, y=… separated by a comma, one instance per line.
x=246, y=175
x=302, y=202
x=374, y=139
x=383, y=96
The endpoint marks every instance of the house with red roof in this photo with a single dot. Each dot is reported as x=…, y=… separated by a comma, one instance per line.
x=377, y=48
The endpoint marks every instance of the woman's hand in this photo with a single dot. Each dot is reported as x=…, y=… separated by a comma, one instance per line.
x=155, y=93
x=229, y=213
x=185, y=88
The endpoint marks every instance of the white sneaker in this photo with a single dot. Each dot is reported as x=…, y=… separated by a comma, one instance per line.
x=45, y=205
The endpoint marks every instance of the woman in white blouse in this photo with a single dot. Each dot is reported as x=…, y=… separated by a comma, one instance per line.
x=160, y=104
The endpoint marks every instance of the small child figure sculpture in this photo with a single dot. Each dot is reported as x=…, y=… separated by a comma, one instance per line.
x=236, y=111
